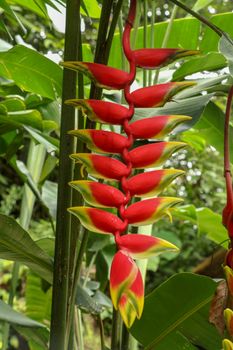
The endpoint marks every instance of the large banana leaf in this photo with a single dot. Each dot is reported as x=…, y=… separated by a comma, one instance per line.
x=178, y=309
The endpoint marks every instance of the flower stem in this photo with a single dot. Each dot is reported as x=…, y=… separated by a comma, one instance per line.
x=227, y=165
x=145, y=10
x=58, y=340
x=152, y=36
x=116, y=328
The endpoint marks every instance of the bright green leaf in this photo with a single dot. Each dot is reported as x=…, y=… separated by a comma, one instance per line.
x=31, y=71
x=200, y=4
x=209, y=62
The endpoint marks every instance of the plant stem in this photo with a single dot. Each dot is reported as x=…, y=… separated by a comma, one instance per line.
x=101, y=326
x=116, y=327
x=227, y=164
x=152, y=36
x=58, y=339
x=145, y=10
x=35, y=162
x=166, y=37
x=78, y=328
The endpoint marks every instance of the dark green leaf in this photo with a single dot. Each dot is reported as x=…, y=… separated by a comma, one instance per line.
x=17, y=245
x=87, y=303
x=7, y=314
x=182, y=299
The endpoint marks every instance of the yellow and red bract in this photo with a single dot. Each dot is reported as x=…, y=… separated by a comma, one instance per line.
x=143, y=246
x=227, y=344
x=102, y=141
x=98, y=220
x=101, y=111
x=98, y=194
x=157, y=95
x=102, y=167
x=157, y=58
x=228, y=316
x=151, y=183
x=149, y=211
x=229, y=277
x=156, y=127
x=103, y=76
x=153, y=154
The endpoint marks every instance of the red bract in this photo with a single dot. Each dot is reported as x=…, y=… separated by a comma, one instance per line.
x=102, y=141
x=103, y=76
x=143, y=246
x=156, y=58
x=99, y=195
x=102, y=167
x=98, y=220
x=156, y=127
x=150, y=210
x=101, y=111
x=151, y=183
x=157, y=95
x=153, y=154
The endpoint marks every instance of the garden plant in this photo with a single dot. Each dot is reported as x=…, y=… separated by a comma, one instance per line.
x=116, y=203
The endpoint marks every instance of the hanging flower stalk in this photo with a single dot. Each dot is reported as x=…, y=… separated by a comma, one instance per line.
x=126, y=284
x=227, y=219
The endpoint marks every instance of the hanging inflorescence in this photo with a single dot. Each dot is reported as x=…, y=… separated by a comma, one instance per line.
x=126, y=284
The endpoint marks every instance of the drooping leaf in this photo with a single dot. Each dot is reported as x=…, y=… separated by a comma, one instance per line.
x=209, y=62
x=17, y=245
x=179, y=304
x=226, y=48
x=7, y=314
x=42, y=75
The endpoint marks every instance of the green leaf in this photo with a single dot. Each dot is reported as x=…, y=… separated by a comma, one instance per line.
x=36, y=6
x=211, y=127
x=51, y=144
x=192, y=106
x=13, y=103
x=209, y=62
x=208, y=222
x=185, y=34
x=17, y=245
x=200, y=4
x=37, y=337
x=7, y=314
x=90, y=8
x=180, y=301
x=31, y=71
x=38, y=302
x=226, y=48
x=49, y=196
x=210, y=39
x=87, y=303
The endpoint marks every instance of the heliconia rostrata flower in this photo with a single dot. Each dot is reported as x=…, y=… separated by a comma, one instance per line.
x=126, y=283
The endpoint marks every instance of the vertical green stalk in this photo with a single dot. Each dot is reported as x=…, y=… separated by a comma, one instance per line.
x=166, y=37
x=58, y=339
x=145, y=10
x=35, y=162
x=116, y=331
x=152, y=36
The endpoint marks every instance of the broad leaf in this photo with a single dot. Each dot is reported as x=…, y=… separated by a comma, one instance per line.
x=211, y=127
x=7, y=314
x=209, y=62
x=31, y=71
x=90, y=8
x=210, y=39
x=192, y=106
x=226, y=48
x=179, y=304
x=17, y=245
